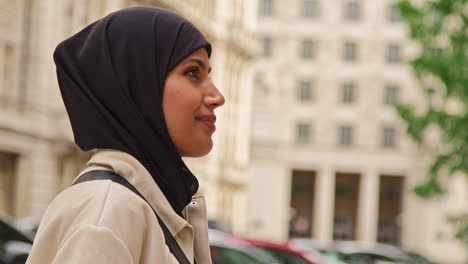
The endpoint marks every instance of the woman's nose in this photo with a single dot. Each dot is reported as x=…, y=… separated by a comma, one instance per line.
x=215, y=98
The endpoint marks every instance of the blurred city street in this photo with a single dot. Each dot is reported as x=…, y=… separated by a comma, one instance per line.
x=312, y=160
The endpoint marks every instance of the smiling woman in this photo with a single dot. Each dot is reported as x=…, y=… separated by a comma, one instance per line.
x=136, y=87
x=189, y=100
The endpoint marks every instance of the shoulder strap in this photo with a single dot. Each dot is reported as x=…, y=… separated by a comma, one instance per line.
x=109, y=175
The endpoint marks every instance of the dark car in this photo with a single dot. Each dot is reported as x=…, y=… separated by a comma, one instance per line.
x=14, y=245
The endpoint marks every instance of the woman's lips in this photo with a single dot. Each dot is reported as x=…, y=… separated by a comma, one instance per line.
x=208, y=120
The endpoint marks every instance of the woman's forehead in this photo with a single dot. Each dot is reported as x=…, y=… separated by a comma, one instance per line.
x=199, y=57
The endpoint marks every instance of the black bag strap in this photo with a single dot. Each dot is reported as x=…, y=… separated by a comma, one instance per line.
x=110, y=175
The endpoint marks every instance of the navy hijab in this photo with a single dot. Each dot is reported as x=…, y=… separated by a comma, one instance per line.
x=111, y=76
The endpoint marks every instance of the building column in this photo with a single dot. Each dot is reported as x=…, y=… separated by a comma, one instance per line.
x=44, y=177
x=239, y=219
x=23, y=186
x=368, y=209
x=324, y=204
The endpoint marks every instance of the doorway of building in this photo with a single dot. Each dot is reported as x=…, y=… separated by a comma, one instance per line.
x=390, y=208
x=302, y=200
x=346, y=206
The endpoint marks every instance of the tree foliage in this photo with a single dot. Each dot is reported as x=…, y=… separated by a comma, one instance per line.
x=439, y=27
x=461, y=223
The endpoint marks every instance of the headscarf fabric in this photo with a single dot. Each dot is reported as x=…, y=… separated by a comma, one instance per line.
x=111, y=76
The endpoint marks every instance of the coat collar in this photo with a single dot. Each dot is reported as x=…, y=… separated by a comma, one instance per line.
x=133, y=171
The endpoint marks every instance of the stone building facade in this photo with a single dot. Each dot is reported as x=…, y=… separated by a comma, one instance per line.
x=329, y=156
x=37, y=155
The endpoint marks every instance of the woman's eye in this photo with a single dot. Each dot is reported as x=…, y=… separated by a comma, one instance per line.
x=193, y=73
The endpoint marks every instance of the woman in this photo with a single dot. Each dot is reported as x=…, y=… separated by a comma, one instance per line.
x=136, y=87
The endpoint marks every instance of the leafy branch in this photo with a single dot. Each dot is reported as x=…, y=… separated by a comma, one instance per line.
x=440, y=28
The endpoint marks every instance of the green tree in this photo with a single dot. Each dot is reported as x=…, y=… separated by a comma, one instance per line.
x=439, y=27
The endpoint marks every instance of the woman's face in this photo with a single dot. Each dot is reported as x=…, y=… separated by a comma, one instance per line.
x=189, y=101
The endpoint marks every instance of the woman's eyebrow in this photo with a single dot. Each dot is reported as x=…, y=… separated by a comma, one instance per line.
x=199, y=62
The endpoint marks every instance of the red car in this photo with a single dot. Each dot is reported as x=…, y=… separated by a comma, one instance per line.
x=227, y=249
x=282, y=252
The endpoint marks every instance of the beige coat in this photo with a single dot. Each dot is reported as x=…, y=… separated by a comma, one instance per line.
x=104, y=222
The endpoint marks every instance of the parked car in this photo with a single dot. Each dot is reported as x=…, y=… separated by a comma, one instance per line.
x=328, y=254
x=224, y=254
x=362, y=252
x=282, y=253
x=14, y=244
x=316, y=250
x=357, y=252
x=227, y=249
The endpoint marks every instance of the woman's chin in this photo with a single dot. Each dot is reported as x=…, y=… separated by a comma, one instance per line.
x=199, y=151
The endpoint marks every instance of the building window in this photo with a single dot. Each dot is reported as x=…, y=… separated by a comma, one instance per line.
x=310, y=8
x=305, y=90
x=389, y=137
x=352, y=11
x=303, y=133
x=267, y=46
x=350, y=51
x=435, y=51
x=266, y=7
x=393, y=53
x=348, y=93
x=346, y=136
x=394, y=14
x=391, y=94
x=307, y=51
